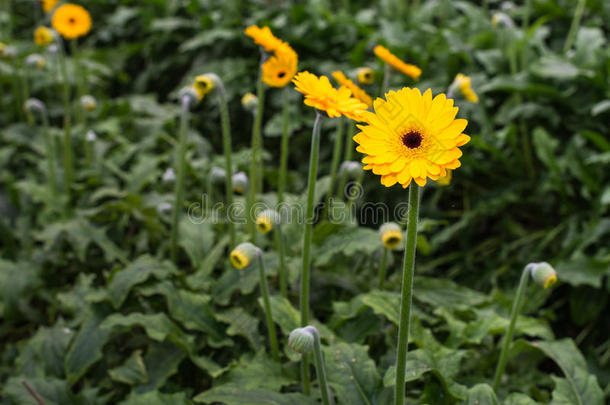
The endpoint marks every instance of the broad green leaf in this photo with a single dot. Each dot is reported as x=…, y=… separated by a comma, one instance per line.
x=444, y=292
x=201, y=277
x=257, y=372
x=349, y=241
x=481, y=394
x=554, y=67
x=43, y=355
x=132, y=372
x=17, y=283
x=518, y=399
x=582, y=271
x=53, y=391
x=289, y=318
x=161, y=361
x=231, y=394
x=241, y=323
x=157, y=326
x=156, y=398
x=196, y=239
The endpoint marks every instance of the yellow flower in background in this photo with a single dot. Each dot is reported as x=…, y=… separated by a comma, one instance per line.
x=391, y=234
x=365, y=75
x=264, y=37
x=71, y=21
x=388, y=57
x=48, y=5
x=2, y=48
x=43, y=36
x=279, y=69
x=203, y=85
x=356, y=91
x=242, y=255
x=463, y=83
x=320, y=94
x=446, y=179
x=411, y=136
x=249, y=101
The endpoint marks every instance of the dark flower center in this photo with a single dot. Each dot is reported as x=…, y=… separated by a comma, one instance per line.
x=392, y=241
x=367, y=76
x=412, y=139
x=72, y=20
x=281, y=75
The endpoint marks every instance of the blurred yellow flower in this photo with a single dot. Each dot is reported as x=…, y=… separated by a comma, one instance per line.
x=320, y=94
x=249, y=101
x=356, y=91
x=279, y=69
x=385, y=55
x=264, y=38
x=365, y=75
x=48, y=5
x=411, y=136
x=203, y=85
x=43, y=36
x=71, y=21
x=463, y=83
x=242, y=255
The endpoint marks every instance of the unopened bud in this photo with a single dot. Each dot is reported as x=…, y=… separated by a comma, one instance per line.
x=301, y=340
x=351, y=169
x=391, y=234
x=218, y=175
x=169, y=176
x=188, y=96
x=243, y=254
x=88, y=103
x=250, y=102
x=34, y=105
x=543, y=274
x=240, y=182
x=267, y=220
x=90, y=136
x=35, y=61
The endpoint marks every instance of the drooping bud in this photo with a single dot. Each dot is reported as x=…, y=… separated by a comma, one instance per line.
x=204, y=84
x=240, y=182
x=351, y=169
x=218, y=175
x=35, y=61
x=169, y=176
x=90, y=136
x=391, y=234
x=301, y=340
x=243, y=254
x=34, y=105
x=88, y=103
x=543, y=274
x=189, y=95
x=501, y=20
x=267, y=220
x=250, y=102
x=365, y=75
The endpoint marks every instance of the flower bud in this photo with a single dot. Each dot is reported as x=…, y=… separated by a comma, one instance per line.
x=7, y=51
x=543, y=274
x=52, y=49
x=240, y=182
x=351, y=169
x=90, y=136
x=218, y=175
x=501, y=20
x=204, y=84
x=462, y=82
x=391, y=234
x=164, y=207
x=43, y=36
x=250, y=102
x=243, y=254
x=36, y=61
x=169, y=176
x=365, y=75
x=88, y=103
x=33, y=104
x=266, y=220
x=301, y=340
x=189, y=95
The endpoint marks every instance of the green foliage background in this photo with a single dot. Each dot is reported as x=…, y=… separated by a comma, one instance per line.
x=93, y=312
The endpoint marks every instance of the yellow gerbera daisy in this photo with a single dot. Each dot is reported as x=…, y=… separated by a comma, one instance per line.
x=411, y=136
x=388, y=57
x=48, y=5
x=463, y=83
x=356, y=91
x=71, y=21
x=279, y=69
x=203, y=85
x=43, y=36
x=365, y=75
x=320, y=94
x=264, y=37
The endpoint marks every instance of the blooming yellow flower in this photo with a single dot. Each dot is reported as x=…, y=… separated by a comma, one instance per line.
x=43, y=36
x=48, y=5
x=320, y=94
x=279, y=69
x=356, y=91
x=71, y=21
x=388, y=57
x=411, y=136
x=365, y=75
x=203, y=85
x=463, y=83
x=264, y=37
x=391, y=234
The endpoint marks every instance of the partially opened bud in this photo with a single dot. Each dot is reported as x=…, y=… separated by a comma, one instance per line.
x=88, y=103
x=33, y=105
x=351, y=169
x=391, y=234
x=365, y=75
x=240, y=182
x=301, y=340
x=501, y=20
x=543, y=274
x=218, y=175
x=243, y=254
x=189, y=95
x=266, y=220
x=250, y=102
x=35, y=61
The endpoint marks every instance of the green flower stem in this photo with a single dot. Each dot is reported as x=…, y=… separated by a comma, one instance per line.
x=354, y=193
x=267, y=304
x=308, y=234
x=226, y=141
x=408, y=270
x=335, y=163
x=180, y=174
x=281, y=247
x=49, y=144
x=382, y=267
x=67, y=144
x=580, y=8
x=386, y=79
x=320, y=369
x=80, y=91
x=25, y=92
x=349, y=152
x=517, y=304
x=281, y=187
x=256, y=163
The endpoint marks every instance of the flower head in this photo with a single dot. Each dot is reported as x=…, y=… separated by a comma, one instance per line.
x=48, y=5
x=320, y=94
x=356, y=91
x=264, y=37
x=391, y=234
x=463, y=83
x=240, y=182
x=36, y=60
x=365, y=75
x=250, y=102
x=203, y=85
x=243, y=254
x=217, y=175
x=279, y=69
x=543, y=274
x=388, y=57
x=43, y=36
x=267, y=220
x=88, y=103
x=411, y=137
x=71, y=21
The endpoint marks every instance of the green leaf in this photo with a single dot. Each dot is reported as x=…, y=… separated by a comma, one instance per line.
x=231, y=394
x=201, y=277
x=132, y=372
x=51, y=390
x=257, y=372
x=351, y=373
x=161, y=361
x=157, y=326
x=196, y=239
x=17, y=283
x=481, y=394
x=579, y=387
x=241, y=323
x=43, y=355
x=582, y=270
x=554, y=67
x=444, y=292
x=518, y=399
x=348, y=242
x=156, y=398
